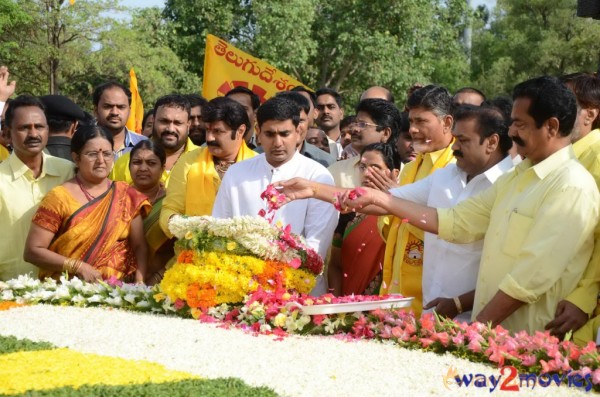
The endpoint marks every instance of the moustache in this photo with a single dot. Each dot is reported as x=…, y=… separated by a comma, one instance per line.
x=168, y=133
x=32, y=140
x=197, y=130
x=458, y=153
x=518, y=141
x=212, y=143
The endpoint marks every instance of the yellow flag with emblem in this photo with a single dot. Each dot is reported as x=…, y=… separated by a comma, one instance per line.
x=136, y=115
x=227, y=67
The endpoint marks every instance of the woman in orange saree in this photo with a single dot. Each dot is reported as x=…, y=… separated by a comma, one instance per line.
x=90, y=226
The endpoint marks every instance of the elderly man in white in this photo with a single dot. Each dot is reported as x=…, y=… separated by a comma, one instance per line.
x=240, y=190
x=481, y=150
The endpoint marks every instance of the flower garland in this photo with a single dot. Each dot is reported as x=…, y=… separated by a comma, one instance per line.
x=223, y=260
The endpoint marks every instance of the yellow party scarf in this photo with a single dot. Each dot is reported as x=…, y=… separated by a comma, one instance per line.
x=403, y=260
x=203, y=181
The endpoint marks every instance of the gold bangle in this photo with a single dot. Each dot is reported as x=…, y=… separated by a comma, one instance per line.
x=76, y=266
x=458, y=304
x=66, y=264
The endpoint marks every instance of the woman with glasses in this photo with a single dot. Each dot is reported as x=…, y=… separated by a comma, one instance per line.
x=90, y=226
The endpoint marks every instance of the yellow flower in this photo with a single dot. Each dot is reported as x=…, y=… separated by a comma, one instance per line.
x=159, y=297
x=231, y=245
x=279, y=320
x=196, y=313
x=286, y=296
x=189, y=235
x=26, y=371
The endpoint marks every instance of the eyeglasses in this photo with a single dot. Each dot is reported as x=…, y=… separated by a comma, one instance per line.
x=107, y=155
x=361, y=125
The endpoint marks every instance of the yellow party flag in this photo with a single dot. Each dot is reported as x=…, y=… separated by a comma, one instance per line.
x=226, y=67
x=136, y=115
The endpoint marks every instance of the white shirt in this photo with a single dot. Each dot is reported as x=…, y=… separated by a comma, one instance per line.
x=450, y=269
x=239, y=195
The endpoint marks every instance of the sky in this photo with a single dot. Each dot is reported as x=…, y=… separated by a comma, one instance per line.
x=160, y=3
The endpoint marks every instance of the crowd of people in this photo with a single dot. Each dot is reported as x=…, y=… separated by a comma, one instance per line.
x=481, y=209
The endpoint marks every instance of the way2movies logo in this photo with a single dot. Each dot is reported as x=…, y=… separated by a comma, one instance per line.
x=509, y=379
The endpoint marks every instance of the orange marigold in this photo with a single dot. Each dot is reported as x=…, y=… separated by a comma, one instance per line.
x=272, y=275
x=201, y=297
x=6, y=305
x=186, y=256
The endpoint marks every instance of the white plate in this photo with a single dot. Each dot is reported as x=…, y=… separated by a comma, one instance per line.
x=351, y=307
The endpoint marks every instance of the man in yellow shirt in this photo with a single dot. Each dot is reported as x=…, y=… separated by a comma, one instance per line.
x=196, y=177
x=574, y=311
x=431, y=130
x=538, y=220
x=25, y=178
x=170, y=130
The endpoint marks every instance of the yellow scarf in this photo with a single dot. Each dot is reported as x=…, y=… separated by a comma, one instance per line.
x=203, y=181
x=398, y=275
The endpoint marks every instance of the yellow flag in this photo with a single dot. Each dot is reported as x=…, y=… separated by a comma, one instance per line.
x=226, y=67
x=136, y=115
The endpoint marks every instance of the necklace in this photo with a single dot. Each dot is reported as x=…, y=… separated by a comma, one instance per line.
x=221, y=166
x=156, y=195
x=87, y=194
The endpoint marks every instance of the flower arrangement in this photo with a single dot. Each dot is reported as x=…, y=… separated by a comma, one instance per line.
x=273, y=312
x=223, y=260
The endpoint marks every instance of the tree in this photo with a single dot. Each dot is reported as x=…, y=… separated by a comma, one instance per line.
x=528, y=38
x=345, y=44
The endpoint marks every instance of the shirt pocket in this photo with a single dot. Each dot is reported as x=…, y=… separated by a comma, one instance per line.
x=518, y=228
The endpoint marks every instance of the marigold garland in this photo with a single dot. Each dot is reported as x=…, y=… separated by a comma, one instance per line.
x=7, y=305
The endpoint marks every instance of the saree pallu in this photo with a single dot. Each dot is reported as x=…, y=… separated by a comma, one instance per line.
x=362, y=255
x=97, y=232
x=155, y=237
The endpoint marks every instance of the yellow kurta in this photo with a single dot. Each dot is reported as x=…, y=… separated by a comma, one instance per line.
x=538, y=222
x=193, y=185
x=120, y=171
x=4, y=153
x=587, y=150
x=20, y=195
x=403, y=260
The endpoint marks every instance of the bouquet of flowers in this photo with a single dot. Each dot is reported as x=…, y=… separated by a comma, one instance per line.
x=223, y=260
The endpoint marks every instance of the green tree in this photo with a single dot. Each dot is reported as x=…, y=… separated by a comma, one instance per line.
x=345, y=44
x=528, y=38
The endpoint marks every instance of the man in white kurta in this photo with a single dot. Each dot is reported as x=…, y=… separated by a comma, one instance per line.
x=244, y=182
x=449, y=269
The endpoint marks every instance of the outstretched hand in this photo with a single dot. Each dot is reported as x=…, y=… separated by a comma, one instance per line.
x=295, y=189
x=358, y=198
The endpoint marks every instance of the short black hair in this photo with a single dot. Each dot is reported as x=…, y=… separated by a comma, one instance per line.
x=254, y=98
x=434, y=98
x=228, y=111
x=586, y=88
x=280, y=109
x=502, y=104
x=549, y=98
x=99, y=90
x=346, y=121
x=87, y=133
x=310, y=93
x=146, y=115
x=297, y=98
x=386, y=115
x=149, y=144
x=196, y=100
x=175, y=101
x=489, y=121
x=20, y=102
x=332, y=92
